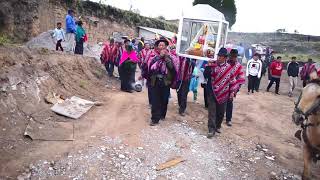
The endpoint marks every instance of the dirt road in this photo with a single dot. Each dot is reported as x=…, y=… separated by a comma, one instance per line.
x=114, y=141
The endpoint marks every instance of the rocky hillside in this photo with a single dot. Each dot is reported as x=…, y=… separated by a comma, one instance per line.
x=21, y=20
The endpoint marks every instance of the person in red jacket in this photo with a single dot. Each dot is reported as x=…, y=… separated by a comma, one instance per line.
x=276, y=68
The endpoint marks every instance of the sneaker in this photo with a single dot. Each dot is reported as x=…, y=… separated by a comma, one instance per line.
x=218, y=130
x=153, y=123
x=210, y=134
x=229, y=123
x=248, y=93
x=267, y=90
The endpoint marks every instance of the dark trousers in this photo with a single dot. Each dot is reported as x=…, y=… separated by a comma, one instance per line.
x=160, y=98
x=109, y=67
x=269, y=74
x=252, y=84
x=215, y=112
x=58, y=45
x=258, y=84
x=149, y=95
x=125, y=77
x=203, y=85
x=183, y=96
x=79, y=47
x=229, y=110
x=277, y=80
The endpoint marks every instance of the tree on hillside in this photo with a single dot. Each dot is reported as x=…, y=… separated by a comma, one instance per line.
x=161, y=17
x=227, y=7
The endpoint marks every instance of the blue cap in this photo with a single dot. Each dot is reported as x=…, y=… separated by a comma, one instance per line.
x=223, y=52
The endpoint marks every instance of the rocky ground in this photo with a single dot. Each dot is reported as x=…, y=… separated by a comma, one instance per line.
x=114, y=141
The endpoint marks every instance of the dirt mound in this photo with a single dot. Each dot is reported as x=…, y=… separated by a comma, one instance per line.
x=27, y=76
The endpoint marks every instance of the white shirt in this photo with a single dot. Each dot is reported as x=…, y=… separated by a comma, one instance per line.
x=254, y=68
x=59, y=34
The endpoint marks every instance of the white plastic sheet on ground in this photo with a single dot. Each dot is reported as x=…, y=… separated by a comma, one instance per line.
x=73, y=108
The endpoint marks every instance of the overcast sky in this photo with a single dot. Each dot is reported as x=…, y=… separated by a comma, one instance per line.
x=253, y=15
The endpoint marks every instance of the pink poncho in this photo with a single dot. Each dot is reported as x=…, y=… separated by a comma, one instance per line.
x=132, y=56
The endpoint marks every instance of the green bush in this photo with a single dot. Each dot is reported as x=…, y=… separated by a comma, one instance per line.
x=4, y=39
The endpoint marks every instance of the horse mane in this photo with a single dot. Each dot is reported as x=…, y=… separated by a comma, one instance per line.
x=315, y=81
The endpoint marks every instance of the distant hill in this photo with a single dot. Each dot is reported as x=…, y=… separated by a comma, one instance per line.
x=283, y=43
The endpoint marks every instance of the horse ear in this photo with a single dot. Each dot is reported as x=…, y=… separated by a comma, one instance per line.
x=314, y=75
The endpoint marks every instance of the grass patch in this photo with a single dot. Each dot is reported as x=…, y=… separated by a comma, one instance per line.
x=4, y=39
x=98, y=73
x=300, y=57
x=83, y=84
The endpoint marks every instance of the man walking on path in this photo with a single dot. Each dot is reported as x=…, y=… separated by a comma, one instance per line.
x=276, y=68
x=71, y=29
x=253, y=72
x=221, y=87
x=239, y=76
x=293, y=73
x=308, y=68
x=185, y=73
x=109, y=55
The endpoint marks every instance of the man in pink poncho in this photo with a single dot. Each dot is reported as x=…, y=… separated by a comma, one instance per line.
x=127, y=67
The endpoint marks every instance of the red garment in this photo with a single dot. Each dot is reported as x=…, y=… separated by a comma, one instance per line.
x=223, y=82
x=185, y=67
x=238, y=74
x=143, y=54
x=109, y=53
x=276, y=68
x=306, y=70
x=85, y=38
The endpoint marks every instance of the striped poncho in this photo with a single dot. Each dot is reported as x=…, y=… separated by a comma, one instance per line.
x=237, y=73
x=223, y=82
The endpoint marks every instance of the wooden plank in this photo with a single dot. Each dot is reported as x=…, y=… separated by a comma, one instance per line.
x=170, y=163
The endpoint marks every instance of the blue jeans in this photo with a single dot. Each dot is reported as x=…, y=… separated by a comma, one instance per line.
x=229, y=110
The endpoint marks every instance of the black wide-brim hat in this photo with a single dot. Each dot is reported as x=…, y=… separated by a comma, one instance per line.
x=162, y=39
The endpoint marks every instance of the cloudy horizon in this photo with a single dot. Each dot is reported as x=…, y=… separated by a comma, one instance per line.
x=252, y=15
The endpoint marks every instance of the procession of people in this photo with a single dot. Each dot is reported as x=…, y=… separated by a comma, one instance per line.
x=163, y=69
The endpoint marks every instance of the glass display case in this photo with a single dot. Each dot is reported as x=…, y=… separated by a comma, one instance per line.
x=201, y=38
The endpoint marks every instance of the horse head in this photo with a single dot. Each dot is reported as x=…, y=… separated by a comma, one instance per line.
x=308, y=102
